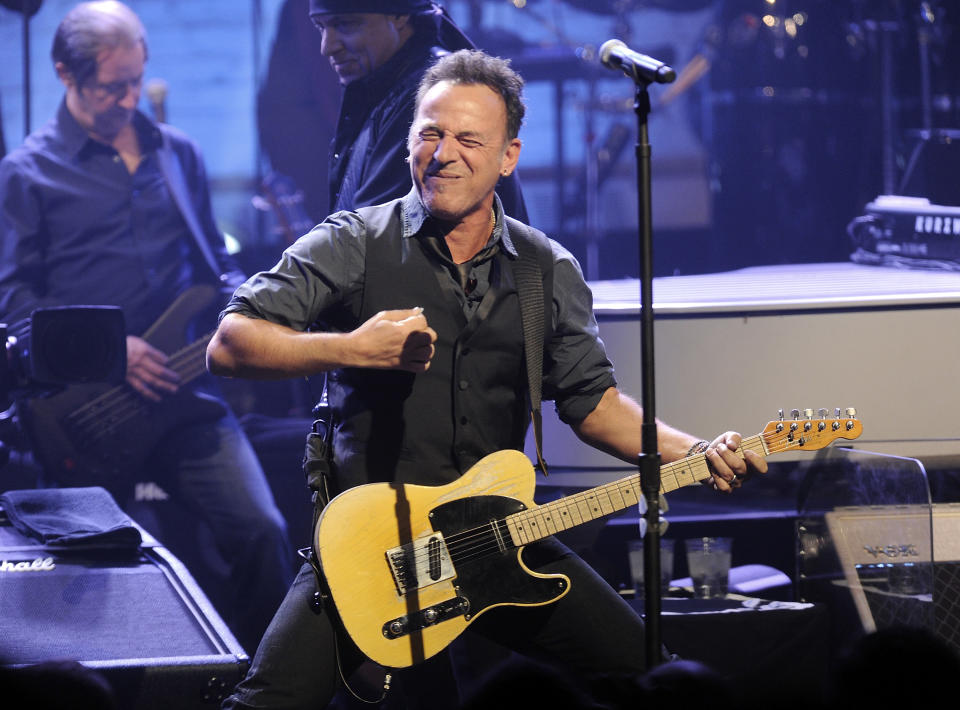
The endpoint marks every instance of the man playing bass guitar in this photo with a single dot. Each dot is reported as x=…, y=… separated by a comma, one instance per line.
x=102, y=206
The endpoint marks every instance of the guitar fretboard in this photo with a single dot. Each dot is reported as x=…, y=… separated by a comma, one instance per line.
x=102, y=415
x=550, y=518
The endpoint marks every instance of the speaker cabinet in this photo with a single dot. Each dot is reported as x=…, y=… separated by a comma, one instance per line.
x=138, y=618
x=901, y=565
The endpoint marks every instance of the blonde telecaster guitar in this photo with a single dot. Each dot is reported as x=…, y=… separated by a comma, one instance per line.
x=410, y=567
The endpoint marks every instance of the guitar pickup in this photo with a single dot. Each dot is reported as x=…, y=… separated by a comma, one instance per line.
x=420, y=563
x=407, y=624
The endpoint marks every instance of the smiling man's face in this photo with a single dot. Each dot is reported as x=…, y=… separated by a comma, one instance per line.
x=459, y=149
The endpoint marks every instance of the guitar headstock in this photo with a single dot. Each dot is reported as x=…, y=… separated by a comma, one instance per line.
x=807, y=431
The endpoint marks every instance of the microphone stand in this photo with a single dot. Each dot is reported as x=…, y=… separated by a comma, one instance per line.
x=649, y=464
x=644, y=70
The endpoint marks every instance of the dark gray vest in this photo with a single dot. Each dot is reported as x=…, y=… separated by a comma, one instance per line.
x=431, y=427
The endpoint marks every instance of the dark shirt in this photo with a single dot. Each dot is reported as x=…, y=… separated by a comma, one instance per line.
x=77, y=228
x=323, y=272
x=380, y=107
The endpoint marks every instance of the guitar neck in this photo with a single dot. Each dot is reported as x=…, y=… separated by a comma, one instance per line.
x=189, y=362
x=564, y=513
x=121, y=403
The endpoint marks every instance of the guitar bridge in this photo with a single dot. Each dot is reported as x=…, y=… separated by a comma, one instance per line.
x=420, y=563
x=407, y=624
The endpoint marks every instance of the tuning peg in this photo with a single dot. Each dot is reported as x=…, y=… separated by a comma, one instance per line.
x=821, y=425
x=795, y=413
x=780, y=414
x=851, y=413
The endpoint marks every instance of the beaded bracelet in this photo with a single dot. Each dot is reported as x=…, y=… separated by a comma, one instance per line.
x=698, y=447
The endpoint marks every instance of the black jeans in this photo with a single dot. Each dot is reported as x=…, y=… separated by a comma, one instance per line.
x=591, y=630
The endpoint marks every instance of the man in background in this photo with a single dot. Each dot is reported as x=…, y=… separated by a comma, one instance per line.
x=379, y=51
x=104, y=207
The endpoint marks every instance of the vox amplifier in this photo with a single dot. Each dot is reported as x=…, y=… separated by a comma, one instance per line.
x=901, y=565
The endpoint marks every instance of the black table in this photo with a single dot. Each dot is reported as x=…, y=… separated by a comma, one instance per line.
x=774, y=646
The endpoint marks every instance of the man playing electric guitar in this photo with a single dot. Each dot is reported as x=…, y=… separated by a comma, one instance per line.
x=413, y=308
x=102, y=206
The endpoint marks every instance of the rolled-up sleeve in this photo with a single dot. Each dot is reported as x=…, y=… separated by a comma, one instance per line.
x=321, y=271
x=576, y=369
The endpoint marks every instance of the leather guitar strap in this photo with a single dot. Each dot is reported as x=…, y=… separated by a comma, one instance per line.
x=533, y=273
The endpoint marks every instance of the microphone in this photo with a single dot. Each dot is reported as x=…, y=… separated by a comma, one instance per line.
x=614, y=54
x=156, y=90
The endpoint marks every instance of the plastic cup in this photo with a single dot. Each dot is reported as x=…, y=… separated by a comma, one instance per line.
x=708, y=559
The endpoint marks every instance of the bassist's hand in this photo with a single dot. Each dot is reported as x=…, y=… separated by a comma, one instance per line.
x=147, y=370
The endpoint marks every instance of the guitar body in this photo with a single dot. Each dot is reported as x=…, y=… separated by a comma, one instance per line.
x=359, y=527
x=94, y=433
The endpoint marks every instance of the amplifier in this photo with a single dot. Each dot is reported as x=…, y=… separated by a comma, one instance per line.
x=136, y=617
x=901, y=565
x=907, y=231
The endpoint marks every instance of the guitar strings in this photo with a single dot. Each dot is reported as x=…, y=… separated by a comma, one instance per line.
x=91, y=419
x=184, y=362
x=463, y=546
x=473, y=543
x=122, y=408
x=124, y=392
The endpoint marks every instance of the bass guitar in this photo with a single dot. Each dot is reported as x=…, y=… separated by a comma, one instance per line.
x=410, y=567
x=95, y=433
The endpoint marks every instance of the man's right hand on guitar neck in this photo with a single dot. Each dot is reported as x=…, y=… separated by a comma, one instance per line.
x=147, y=370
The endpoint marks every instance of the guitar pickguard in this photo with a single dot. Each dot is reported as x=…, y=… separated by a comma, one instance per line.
x=489, y=571
x=471, y=542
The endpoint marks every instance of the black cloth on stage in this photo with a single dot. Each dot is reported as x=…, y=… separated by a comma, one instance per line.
x=68, y=517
